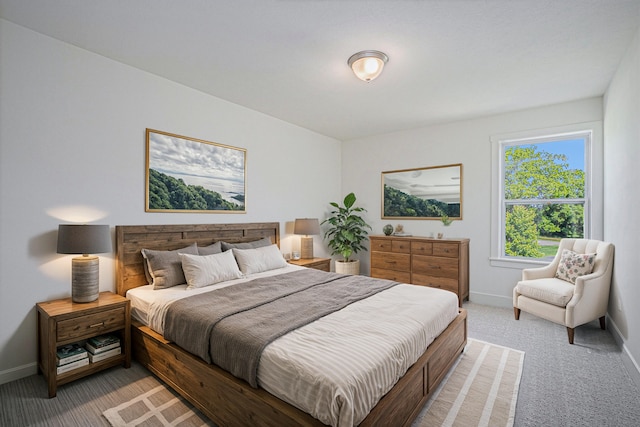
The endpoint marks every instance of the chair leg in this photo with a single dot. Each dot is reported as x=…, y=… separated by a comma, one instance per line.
x=602, y=323
x=516, y=313
x=570, y=333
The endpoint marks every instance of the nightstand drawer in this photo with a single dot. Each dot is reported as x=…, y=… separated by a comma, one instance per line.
x=90, y=325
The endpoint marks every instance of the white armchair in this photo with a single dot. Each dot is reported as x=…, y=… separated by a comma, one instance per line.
x=560, y=301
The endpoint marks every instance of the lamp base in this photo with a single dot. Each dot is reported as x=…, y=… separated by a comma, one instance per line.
x=306, y=247
x=85, y=276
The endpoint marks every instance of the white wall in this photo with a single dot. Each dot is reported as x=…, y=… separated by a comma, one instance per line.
x=466, y=142
x=72, y=148
x=622, y=198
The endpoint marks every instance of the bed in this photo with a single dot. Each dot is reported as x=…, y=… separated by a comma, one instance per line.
x=230, y=401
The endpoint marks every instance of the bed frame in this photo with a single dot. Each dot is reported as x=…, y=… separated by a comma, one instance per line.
x=227, y=400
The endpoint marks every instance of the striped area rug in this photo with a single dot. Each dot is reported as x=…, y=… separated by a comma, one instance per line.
x=157, y=407
x=481, y=389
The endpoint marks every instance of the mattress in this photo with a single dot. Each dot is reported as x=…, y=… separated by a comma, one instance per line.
x=338, y=367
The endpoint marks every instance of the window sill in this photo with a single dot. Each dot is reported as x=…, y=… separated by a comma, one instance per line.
x=518, y=263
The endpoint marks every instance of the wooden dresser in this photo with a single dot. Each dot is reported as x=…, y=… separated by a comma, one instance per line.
x=439, y=263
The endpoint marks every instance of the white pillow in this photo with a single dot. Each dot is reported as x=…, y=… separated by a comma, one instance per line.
x=259, y=259
x=205, y=270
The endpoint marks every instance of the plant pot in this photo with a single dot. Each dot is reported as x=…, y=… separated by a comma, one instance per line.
x=352, y=267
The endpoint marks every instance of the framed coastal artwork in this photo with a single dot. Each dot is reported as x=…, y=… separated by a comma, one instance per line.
x=185, y=174
x=431, y=192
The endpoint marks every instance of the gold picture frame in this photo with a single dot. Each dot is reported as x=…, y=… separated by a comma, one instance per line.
x=186, y=174
x=423, y=193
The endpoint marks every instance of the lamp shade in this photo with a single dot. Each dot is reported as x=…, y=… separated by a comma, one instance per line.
x=368, y=64
x=306, y=226
x=83, y=239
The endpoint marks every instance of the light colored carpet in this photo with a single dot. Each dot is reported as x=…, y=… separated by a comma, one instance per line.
x=157, y=407
x=562, y=385
x=481, y=390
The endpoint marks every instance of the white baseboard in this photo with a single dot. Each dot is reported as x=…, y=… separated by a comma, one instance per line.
x=18, y=372
x=491, y=299
x=627, y=359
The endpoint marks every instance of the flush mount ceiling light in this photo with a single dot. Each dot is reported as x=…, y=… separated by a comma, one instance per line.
x=368, y=64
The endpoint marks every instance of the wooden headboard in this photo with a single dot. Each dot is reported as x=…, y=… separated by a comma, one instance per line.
x=130, y=239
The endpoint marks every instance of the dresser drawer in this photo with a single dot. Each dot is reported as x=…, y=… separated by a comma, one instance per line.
x=390, y=261
x=383, y=245
x=91, y=325
x=445, y=249
x=422, y=248
x=398, y=276
x=435, y=282
x=425, y=261
x=435, y=266
x=401, y=246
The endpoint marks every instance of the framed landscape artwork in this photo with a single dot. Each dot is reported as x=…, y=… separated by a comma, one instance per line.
x=191, y=175
x=423, y=193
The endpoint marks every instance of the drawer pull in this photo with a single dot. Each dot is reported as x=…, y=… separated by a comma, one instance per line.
x=95, y=325
x=391, y=262
x=435, y=267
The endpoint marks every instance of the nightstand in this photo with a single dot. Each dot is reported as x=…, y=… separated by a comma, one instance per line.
x=63, y=322
x=323, y=264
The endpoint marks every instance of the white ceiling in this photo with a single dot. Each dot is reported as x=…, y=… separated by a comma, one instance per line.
x=448, y=59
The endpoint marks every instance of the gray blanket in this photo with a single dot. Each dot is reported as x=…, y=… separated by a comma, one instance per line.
x=231, y=326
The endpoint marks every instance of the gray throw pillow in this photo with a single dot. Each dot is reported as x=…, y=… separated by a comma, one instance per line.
x=265, y=241
x=215, y=248
x=165, y=267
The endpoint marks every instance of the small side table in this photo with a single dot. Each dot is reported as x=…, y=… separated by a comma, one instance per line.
x=323, y=264
x=63, y=322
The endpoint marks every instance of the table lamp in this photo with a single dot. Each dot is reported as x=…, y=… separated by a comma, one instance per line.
x=306, y=226
x=84, y=239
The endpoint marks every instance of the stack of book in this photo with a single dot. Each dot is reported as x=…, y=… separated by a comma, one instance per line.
x=70, y=357
x=103, y=347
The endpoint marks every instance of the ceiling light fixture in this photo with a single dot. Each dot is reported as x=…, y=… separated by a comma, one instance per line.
x=368, y=64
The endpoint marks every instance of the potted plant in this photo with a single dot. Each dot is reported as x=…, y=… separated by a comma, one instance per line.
x=346, y=232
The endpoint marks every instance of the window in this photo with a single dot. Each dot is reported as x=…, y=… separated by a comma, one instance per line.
x=543, y=193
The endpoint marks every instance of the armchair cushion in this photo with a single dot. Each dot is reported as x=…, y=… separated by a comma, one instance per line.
x=550, y=290
x=573, y=265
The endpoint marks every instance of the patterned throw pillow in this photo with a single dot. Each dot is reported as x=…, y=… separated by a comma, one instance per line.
x=573, y=265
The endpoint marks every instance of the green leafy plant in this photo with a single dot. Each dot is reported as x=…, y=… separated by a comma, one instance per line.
x=347, y=229
x=446, y=220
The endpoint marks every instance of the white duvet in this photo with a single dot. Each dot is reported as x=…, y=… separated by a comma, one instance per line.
x=338, y=367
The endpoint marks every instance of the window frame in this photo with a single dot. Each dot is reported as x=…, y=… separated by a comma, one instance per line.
x=593, y=185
